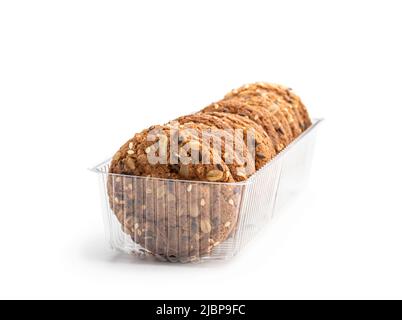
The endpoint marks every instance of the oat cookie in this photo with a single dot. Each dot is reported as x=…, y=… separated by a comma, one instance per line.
x=288, y=100
x=260, y=102
x=218, y=123
x=272, y=101
x=282, y=95
x=231, y=148
x=222, y=121
x=133, y=158
x=264, y=147
x=173, y=220
x=279, y=121
x=293, y=100
x=261, y=116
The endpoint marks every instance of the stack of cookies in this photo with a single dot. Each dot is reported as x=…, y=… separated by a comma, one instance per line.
x=175, y=187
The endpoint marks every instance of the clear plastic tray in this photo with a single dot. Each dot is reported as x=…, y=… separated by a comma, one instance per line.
x=188, y=221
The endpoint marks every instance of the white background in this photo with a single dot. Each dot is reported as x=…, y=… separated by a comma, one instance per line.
x=78, y=78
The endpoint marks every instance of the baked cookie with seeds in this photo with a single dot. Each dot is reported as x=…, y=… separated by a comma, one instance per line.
x=273, y=108
x=175, y=220
x=295, y=100
x=131, y=158
x=261, y=116
x=231, y=148
x=292, y=99
x=217, y=123
x=172, y=220
x=289, y=105
x=271, y=100
x=262, y=142
x=149, y=154
x=279, y=121
x=285, y=96
x=264, y=147
x=225, y=194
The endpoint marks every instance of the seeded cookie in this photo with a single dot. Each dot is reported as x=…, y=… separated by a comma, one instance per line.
x=131, y=159
x=272, y=101
x=224, y=198
x=231, y=148
x=261, y=116
x=282, y=95
x=291, y=102
x=150, y=154
x=268, y=110
x=264, y=147
x=295, y=100
x=281, y=122
x=173, y=220
x=215, y=122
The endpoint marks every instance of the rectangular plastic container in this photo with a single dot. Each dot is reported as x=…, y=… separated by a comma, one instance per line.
x=188, y=221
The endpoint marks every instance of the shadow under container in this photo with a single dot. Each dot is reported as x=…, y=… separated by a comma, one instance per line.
x=191, y=221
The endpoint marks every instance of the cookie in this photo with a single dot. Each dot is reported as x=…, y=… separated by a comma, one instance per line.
x=270, y=100
x=222, y=125
x=229, y=146
x=261, y=116
x=172, y=220
x=175, y=220
x=295, y=100
x=222, y=121
x=264, y=147
x=279, y=121
x=283, y=96
x=257, y=101
x=133, y=158
x=288, y=100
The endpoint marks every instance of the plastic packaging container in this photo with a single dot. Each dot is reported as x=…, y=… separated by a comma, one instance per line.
x=188, y=221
